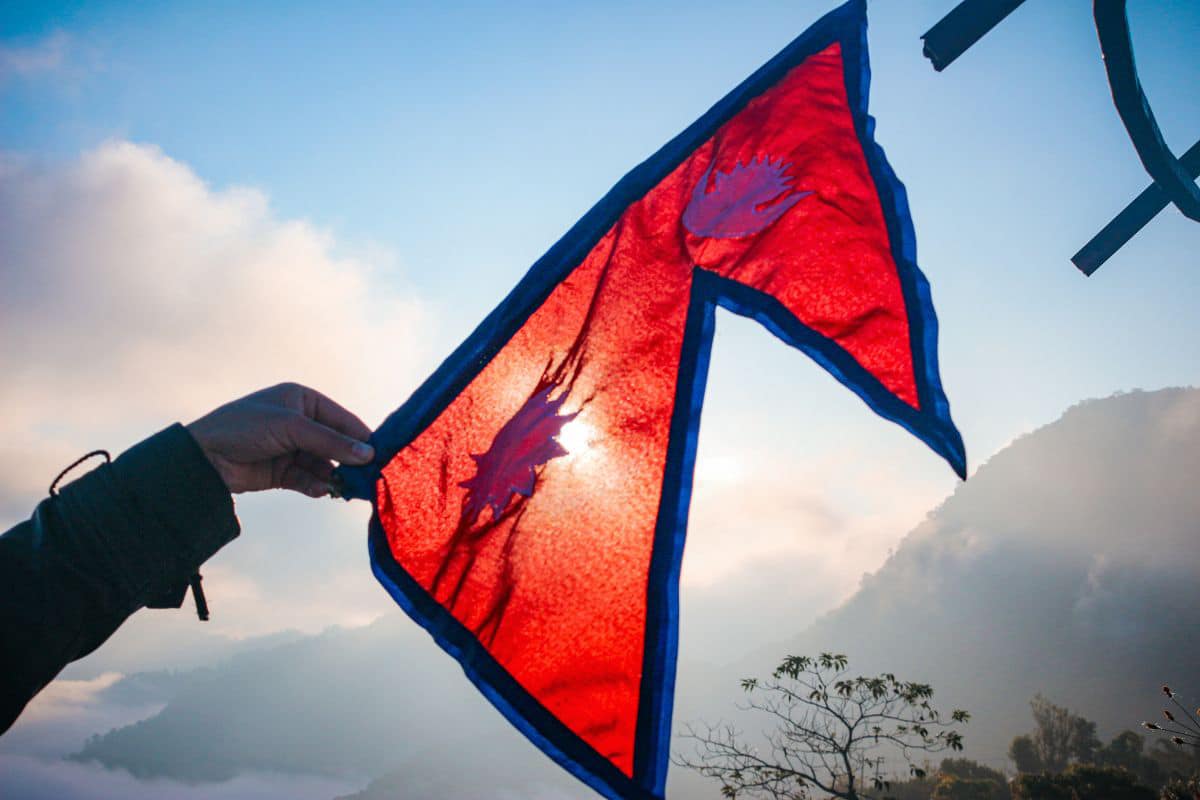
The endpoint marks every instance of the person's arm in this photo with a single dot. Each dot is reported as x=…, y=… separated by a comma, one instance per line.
x=132, y=533
x=126, y=535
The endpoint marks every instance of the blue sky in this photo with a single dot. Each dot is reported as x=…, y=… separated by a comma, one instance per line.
x=463, y=139
x=407, y=163
x=466, y=138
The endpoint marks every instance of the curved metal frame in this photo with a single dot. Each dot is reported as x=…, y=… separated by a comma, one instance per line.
x=1174, y=178
x=1116, y=45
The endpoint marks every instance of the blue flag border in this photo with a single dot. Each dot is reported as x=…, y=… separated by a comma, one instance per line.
x=931, y=423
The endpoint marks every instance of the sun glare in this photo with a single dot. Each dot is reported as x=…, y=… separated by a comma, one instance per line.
x=577, y=438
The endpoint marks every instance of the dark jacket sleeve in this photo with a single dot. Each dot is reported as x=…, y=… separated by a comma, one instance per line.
x=125, y=535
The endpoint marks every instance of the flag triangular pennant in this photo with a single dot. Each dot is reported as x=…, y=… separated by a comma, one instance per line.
x=531, y=497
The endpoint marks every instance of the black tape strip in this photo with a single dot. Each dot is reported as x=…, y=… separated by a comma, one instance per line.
x=966, y=24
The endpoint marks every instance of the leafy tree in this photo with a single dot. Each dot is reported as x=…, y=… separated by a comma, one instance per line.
x=1024, y=755
x=1105, y=783
x=964, y=779
x=955, y=779
x=952, y=787
x=831, y=732
x=1125, y=751
x=1083, y=742
x=1176, y=761
x=1060, y=737
x=1081, y=782
x=1182, y=788
x=971, y=770
x=914, y=788
x=1039, y=786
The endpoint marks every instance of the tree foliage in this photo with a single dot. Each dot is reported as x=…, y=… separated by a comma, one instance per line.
x=952, y=787
x=1127, y=751
x=954, y=779
x=1176, y=761
x=1060, y=738
x=964, y=779
x=830, y=732
x=1024, y=755
x=1182, y=788
x=1081, y=782
x=967, y=769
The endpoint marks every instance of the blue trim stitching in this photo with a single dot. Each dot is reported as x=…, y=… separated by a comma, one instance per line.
x=931, y=423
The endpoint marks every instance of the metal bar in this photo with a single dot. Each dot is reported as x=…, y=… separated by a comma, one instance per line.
x=1112, y=26
x=966, y=24
x=1132, y=219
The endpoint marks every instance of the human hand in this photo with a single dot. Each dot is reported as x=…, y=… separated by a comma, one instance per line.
x=284, y=437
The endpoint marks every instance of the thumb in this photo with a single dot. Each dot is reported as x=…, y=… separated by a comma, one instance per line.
x=312, y=437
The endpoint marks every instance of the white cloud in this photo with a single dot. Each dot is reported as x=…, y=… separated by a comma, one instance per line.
x=59, y=719
x=63, y=698
x=47, y=55
x=135, y=295
x=41, y=779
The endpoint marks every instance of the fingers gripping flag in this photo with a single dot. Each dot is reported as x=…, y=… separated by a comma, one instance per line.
x=531, y=497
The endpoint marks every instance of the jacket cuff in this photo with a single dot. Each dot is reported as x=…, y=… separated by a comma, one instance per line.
x=187, y=509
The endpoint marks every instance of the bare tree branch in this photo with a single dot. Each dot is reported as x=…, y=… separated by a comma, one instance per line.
x=831, y=733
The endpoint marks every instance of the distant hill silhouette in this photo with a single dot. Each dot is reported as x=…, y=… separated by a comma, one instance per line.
x=1069, y=564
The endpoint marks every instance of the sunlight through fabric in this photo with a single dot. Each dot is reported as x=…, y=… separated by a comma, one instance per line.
x=531, y=497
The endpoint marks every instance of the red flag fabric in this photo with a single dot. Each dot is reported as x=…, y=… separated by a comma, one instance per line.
x=531, y=499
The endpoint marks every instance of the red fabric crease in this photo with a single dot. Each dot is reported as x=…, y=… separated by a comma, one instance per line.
x=555, y=586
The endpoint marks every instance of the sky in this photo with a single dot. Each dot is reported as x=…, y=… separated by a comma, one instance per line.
x=463, y=140
x=197, y=200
